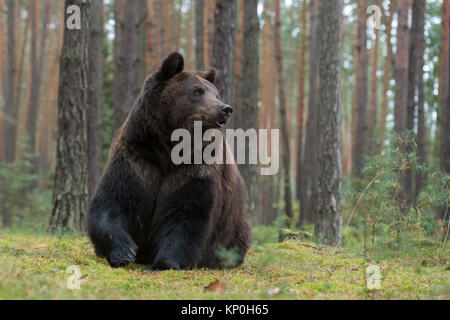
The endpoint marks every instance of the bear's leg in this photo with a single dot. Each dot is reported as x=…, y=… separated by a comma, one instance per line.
x=181, y=226
x=110, y=238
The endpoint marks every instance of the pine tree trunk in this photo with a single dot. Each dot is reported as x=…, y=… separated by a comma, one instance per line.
x=150, y=56
x=421, y=130
x=267, y=113
x=413, y=72
x=361, y=138
x=401, y=67
x=286, y=152
x=373, y=106
x=37, y=66
x=189, y=49
x=199, y=34
x=128, y=57
x=328, y=222
x=70, y=193
x=445, y=126
x=223, y=46
x=248, y=98
x=238, y=62
x=208, y=30
x=401, y=92
x=387, y=63
x=444, y=74
x=10, y=108
x=300, y=102
x=9, y=125
x=95, y=94
x=308, y=195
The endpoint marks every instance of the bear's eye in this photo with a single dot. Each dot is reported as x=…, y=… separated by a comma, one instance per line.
x=198, y=92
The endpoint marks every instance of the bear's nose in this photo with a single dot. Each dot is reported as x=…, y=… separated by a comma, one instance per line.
x=227, y=110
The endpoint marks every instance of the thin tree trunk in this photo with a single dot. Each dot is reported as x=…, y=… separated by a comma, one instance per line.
x=373, y=106
x=267, y=112
x=208, y=30
x=401, y=91
x=283, y=117
x=444, y=74
x=301, y=101
x=10, y=108
x=386, y=75
x=10, y=114
x=151, y=63
x=95, y=94
x=3, y=64
x=128, y=58
x=167, y=33
x=361, y=138
x=238, y=63
x=445, y=127
x=308, y=196
x=70, y=193
x=413, y=71
x=401, y=67
x=223, y=47
x=248, y=98
x=189, y=49
x=328, y=222
x=421, y=131
x=199, y=34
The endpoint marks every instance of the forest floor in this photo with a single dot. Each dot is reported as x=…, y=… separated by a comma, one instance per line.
x=35, y=267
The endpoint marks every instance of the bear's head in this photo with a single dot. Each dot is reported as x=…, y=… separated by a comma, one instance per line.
x=173, y=98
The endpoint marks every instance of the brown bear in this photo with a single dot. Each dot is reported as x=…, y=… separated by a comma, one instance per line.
x=150, y=211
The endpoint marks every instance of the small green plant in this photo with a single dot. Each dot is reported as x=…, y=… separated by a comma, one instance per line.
x=21, y=206
x=378, y=208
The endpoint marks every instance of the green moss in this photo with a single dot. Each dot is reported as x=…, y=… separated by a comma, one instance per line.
x=34, y=267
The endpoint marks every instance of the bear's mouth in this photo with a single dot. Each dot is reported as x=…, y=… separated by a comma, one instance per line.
x=221, y=124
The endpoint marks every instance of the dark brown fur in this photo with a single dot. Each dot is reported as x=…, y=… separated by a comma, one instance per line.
x=150, y=211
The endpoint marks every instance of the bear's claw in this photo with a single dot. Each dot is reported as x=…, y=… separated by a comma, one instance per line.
x=119, y=259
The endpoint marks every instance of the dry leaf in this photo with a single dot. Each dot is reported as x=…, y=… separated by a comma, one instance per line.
x=217, y=286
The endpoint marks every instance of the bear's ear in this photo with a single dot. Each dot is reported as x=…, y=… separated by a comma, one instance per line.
x=172, y=65
x=210, y=75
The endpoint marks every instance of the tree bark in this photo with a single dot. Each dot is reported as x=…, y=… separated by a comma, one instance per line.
x=286, y=153
x=328, y=222
x=95, y=94
x=37, y=66
x=267, y=111
x=444, y=75
x=361, y=138
x=70, y=193
x=373, y=106
x=401, y=67
x=300, y=102
x=445, y=127
x=248, y=98
x=413, y=73
x=208, y=29
x=223, y=46
x=9, y=124
x=128, y=57
x=308, y=195
x=387, y=63
x=421, y=130
x=10, y=108
x=199, y=34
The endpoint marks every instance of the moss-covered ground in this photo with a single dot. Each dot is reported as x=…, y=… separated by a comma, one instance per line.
x=35, y=267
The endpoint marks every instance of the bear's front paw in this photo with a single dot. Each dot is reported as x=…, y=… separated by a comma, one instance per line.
x=120, y=257
x=161, y=265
